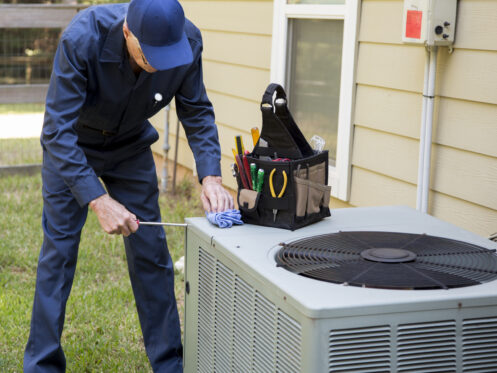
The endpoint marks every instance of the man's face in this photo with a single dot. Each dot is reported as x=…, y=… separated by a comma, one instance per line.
x=135, y=51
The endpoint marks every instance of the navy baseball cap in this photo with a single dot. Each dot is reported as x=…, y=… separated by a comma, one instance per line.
x=159, y=27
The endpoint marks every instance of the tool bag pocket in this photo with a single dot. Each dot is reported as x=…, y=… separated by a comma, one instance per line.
x=258, y=207
x=248, y=201
x=301, y=195
x=312, y=193
x=318, y=195
x=289, y=204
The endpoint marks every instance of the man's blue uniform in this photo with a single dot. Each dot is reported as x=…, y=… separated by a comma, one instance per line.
x=96, y=127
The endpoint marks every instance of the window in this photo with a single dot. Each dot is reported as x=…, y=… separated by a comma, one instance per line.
x=313, y=57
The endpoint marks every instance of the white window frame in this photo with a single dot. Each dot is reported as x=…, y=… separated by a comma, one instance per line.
x=339, y=176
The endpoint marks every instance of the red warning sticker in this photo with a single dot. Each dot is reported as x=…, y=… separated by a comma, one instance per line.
x=413, y=24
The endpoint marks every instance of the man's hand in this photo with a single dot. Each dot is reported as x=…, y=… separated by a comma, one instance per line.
x=114, y=217
x=214, y=197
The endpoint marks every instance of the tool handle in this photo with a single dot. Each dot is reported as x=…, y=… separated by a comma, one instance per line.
x=255, y=135
x=246, y=168
x=260, y=179
x=241, y=172
x=271, y=184
x=253, y=173
x=283, y=188
x=239, y=145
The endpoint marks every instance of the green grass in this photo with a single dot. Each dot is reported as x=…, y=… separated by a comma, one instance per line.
x=21, y=108
x=20, y=151
x=102, y=333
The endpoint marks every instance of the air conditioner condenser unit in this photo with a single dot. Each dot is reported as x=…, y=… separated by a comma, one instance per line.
x=380, y=289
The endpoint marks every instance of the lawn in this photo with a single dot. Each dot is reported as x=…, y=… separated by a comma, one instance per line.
x=21, y=108
x=102, y=332
x=14, y=152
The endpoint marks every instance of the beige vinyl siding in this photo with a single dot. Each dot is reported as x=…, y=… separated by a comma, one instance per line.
x=462, y=174
x=373, y=189
x=236, y=63
x=388, y=115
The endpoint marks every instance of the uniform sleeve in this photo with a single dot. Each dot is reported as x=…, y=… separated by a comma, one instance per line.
x=66, y=95
x=197, y=116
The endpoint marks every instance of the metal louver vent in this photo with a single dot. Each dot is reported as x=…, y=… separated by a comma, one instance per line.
x=389, y=260
x=361, y=350
x=243, y=324
x=427, y=347
x=480, y=345
x=223, y=319
x=240, y=330
x=263, y=333
x=288, y=344
x=207, y=271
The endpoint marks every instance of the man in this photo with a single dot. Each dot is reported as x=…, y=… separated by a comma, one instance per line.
x=111, y=62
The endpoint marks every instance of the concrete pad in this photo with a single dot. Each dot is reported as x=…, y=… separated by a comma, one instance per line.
x=20, y=125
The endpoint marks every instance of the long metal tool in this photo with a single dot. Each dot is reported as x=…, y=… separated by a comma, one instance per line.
x=176, y=142
x=161, y=223
x=165, y=148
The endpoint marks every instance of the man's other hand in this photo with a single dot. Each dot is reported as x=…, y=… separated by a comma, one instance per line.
x=114, y=217
x=214, y=197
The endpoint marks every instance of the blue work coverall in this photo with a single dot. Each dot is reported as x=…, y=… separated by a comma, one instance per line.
x=95, y=127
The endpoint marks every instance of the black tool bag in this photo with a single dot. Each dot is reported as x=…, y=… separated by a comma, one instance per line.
x=283, y=148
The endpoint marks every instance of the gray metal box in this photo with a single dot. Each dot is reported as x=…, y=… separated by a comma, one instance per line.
x=243, y=314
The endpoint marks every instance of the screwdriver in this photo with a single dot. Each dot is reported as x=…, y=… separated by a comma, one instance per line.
x=160, y=223
x=255, y=135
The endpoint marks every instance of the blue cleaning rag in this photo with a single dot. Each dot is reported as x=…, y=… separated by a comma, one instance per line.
x=224, y=219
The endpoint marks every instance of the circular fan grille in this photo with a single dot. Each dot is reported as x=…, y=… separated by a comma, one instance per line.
x=389, y=260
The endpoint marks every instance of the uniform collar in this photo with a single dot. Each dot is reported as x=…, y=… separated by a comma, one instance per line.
x=113, y=46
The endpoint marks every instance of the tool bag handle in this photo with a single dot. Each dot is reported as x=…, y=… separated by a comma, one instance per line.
x=267, y=97
x=279, y=129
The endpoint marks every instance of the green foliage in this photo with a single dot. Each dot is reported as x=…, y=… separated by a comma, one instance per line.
x=27, y=54
x=102, y=332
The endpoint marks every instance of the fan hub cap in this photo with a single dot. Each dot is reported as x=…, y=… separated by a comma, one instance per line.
x=388, y=255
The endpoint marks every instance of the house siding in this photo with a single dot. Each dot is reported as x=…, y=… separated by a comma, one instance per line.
x=388, y=115
x=388, y=103
x=236, y=64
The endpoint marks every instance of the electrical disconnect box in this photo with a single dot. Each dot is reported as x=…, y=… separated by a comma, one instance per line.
x=429, y=22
